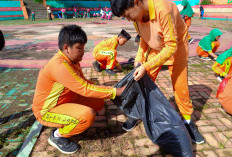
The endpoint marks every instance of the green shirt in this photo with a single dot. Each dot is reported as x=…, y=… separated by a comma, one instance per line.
x=187, y=9
x=222, y=57
x=205, y=43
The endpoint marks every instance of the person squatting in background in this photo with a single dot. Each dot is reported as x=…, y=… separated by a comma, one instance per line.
x=105, y=53
x=223, y=65
x=209, y=44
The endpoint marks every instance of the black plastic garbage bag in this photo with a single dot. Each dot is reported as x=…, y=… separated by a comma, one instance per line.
x=144, y=100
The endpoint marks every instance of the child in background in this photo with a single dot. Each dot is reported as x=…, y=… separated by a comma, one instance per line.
x=187, y=13
x=209, y=45
x=105, y=53
x=201, y=12
x=223, y=65
x=32, y=16
x=88, y=13
x=103, y=14
x=75, y=12
x=64, y=98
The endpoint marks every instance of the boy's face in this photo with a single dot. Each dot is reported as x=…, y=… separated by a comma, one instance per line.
x=134, y=13
x=122, y=40
x=76, y=52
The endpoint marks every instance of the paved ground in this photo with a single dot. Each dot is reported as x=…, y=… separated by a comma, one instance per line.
x=29, y=47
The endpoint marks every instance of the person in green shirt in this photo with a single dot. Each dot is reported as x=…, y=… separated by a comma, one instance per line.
x=187, y=13
x=209, y=45
x=223, y=65
x=32, y=16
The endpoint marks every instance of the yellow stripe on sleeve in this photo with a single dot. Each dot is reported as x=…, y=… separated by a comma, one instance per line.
x=85, y=83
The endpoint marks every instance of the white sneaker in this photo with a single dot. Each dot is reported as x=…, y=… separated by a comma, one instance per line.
x=190, y=40
x=219, y=79
x=205, y=58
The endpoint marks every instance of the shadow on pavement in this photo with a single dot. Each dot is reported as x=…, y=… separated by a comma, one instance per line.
x=14, y=116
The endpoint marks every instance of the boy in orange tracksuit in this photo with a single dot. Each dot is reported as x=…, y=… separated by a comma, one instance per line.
x=64, y=98
x=105, y=53
x=164, y=40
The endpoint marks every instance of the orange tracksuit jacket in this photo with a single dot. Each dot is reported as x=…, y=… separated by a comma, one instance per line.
x=164, y=40
x=61, y=94
x=105, y=53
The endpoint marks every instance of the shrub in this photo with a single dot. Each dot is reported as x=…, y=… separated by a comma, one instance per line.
x=205, y=2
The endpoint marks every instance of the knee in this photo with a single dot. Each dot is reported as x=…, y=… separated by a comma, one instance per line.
x=89, y=117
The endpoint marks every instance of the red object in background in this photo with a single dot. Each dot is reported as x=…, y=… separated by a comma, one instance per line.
x=224, y=94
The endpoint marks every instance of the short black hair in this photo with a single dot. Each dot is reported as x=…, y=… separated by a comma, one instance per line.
x=119, y=6
x=124, y=34
x=70, y=35
x=137, y=38
x=2, y=41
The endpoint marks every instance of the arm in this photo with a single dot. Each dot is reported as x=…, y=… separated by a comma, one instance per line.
x=72, y=80
x=142, y=49
x=212, y=55
x=118, y=66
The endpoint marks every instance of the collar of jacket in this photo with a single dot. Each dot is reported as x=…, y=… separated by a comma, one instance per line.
x=64, y=56
x=151, y=7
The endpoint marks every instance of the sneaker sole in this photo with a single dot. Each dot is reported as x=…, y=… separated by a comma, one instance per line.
x=132, y=127
x=54, y=145
x=191, y=41
x=198, y=142
x=95, y=67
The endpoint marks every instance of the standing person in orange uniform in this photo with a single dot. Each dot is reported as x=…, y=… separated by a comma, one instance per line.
x=164, y=40
x=187, y=13
x=105, y=53
x=64, y=98
x=209, y=45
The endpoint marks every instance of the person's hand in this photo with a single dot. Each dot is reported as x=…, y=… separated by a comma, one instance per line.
x=120, y=90
x=136, y=63
x=139, y=73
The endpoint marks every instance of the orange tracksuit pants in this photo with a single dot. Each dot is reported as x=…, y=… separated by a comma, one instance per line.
x=225, y=68
x=179, y=73
x=73, y=118
x=188, y=23
x=107, y=58
x=202, y=53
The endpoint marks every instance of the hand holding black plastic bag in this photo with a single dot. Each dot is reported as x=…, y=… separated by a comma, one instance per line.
x=144, y=100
